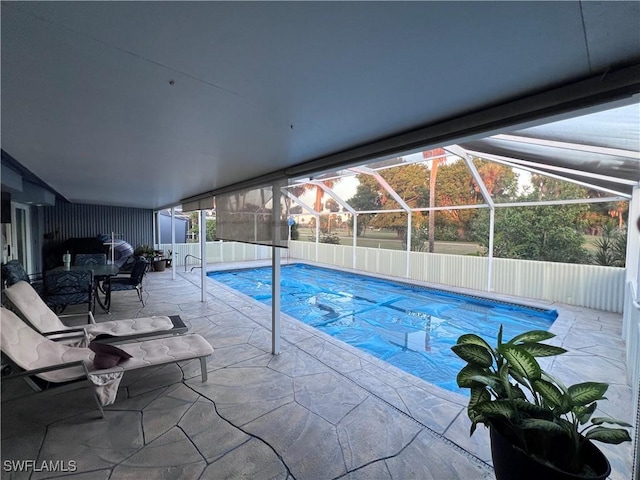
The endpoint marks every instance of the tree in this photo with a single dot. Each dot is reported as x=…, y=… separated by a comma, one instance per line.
x=194, y=227
x=544, y=233
x=456, y=186
x=611, y=247
x=325, y=225
x=211, y=229
x=500, y=180
x=410, y=183
x=332, y=205
x=320, y=194
x=194, y=219
x=296, y=191
x=433, y=176
x=365, y=198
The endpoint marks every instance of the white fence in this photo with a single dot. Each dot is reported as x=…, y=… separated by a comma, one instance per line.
x=217, y=252
x=591, y=286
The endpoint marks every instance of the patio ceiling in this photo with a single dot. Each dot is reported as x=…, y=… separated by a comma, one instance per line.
x=147, y=103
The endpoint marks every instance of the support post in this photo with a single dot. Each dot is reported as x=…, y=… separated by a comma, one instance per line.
x=355, y=239
x=492, y=215
x=173, y=243
x=275, y=300
x=203, y=255
x=155, y=229
x=275, y=270
x=317, y=234
x=633, y=241
x=406, y=273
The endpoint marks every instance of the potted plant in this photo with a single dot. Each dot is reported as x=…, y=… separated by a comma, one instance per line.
x=539, y=428
x=145, y=251
x=153, y=256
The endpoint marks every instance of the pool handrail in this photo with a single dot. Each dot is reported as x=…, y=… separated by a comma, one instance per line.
x=185, y=262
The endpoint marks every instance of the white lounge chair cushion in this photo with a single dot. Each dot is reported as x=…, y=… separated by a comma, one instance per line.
x=37, y=313
x=30, y=350
x=130, y=326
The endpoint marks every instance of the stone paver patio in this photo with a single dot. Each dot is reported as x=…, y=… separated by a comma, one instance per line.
x=319, y=410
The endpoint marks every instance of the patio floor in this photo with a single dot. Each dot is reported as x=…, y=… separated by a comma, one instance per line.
x=320, y=409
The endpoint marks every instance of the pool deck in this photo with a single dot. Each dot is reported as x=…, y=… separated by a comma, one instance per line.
x=320, y=409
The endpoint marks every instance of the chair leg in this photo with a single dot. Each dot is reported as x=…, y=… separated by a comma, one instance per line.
x=139, y=290
x=203, y=368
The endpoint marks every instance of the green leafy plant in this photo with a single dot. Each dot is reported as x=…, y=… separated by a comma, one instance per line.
x=610, y=247
x=510, y=392
x=144, y=250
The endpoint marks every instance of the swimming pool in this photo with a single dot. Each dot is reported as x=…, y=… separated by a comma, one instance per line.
x=408, y=326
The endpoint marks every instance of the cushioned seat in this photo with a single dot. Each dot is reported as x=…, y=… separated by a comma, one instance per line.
x=13, y=272
x=69, y=287
x=132, y=282
x=35, y=312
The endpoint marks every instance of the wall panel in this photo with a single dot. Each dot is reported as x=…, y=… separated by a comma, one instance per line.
x=63, y=221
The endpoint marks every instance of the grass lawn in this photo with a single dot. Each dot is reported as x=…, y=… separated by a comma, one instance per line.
x=390, y=241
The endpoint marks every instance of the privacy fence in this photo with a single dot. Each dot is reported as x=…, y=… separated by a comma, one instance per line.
x=590, y=286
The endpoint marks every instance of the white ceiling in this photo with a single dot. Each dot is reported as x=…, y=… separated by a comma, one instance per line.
x=88, y=107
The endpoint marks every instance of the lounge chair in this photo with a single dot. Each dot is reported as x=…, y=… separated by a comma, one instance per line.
x=40, y=317
x=59, y=364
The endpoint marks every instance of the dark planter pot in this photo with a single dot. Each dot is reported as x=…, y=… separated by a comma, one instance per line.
x=511, y=463
x=159, y=265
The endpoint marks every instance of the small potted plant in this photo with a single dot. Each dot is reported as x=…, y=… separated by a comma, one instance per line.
x=153, y=256
x=145, y=251
x=539, y=428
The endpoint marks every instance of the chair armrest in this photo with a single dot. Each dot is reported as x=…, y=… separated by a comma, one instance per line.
x=91, y=318
x=50, y=368
x=71, y=333
x=35, y=277
x=66, y=330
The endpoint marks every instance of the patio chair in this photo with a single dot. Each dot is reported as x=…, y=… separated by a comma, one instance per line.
x=13, y=272
x=132, y=282
x=90, y=259
x=39, y=316
x=69, y=287
x=54, y=364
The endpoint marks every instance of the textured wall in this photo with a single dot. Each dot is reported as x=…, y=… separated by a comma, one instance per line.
x=65, y=221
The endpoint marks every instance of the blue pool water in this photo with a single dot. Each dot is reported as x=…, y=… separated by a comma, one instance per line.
x=407, y=326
